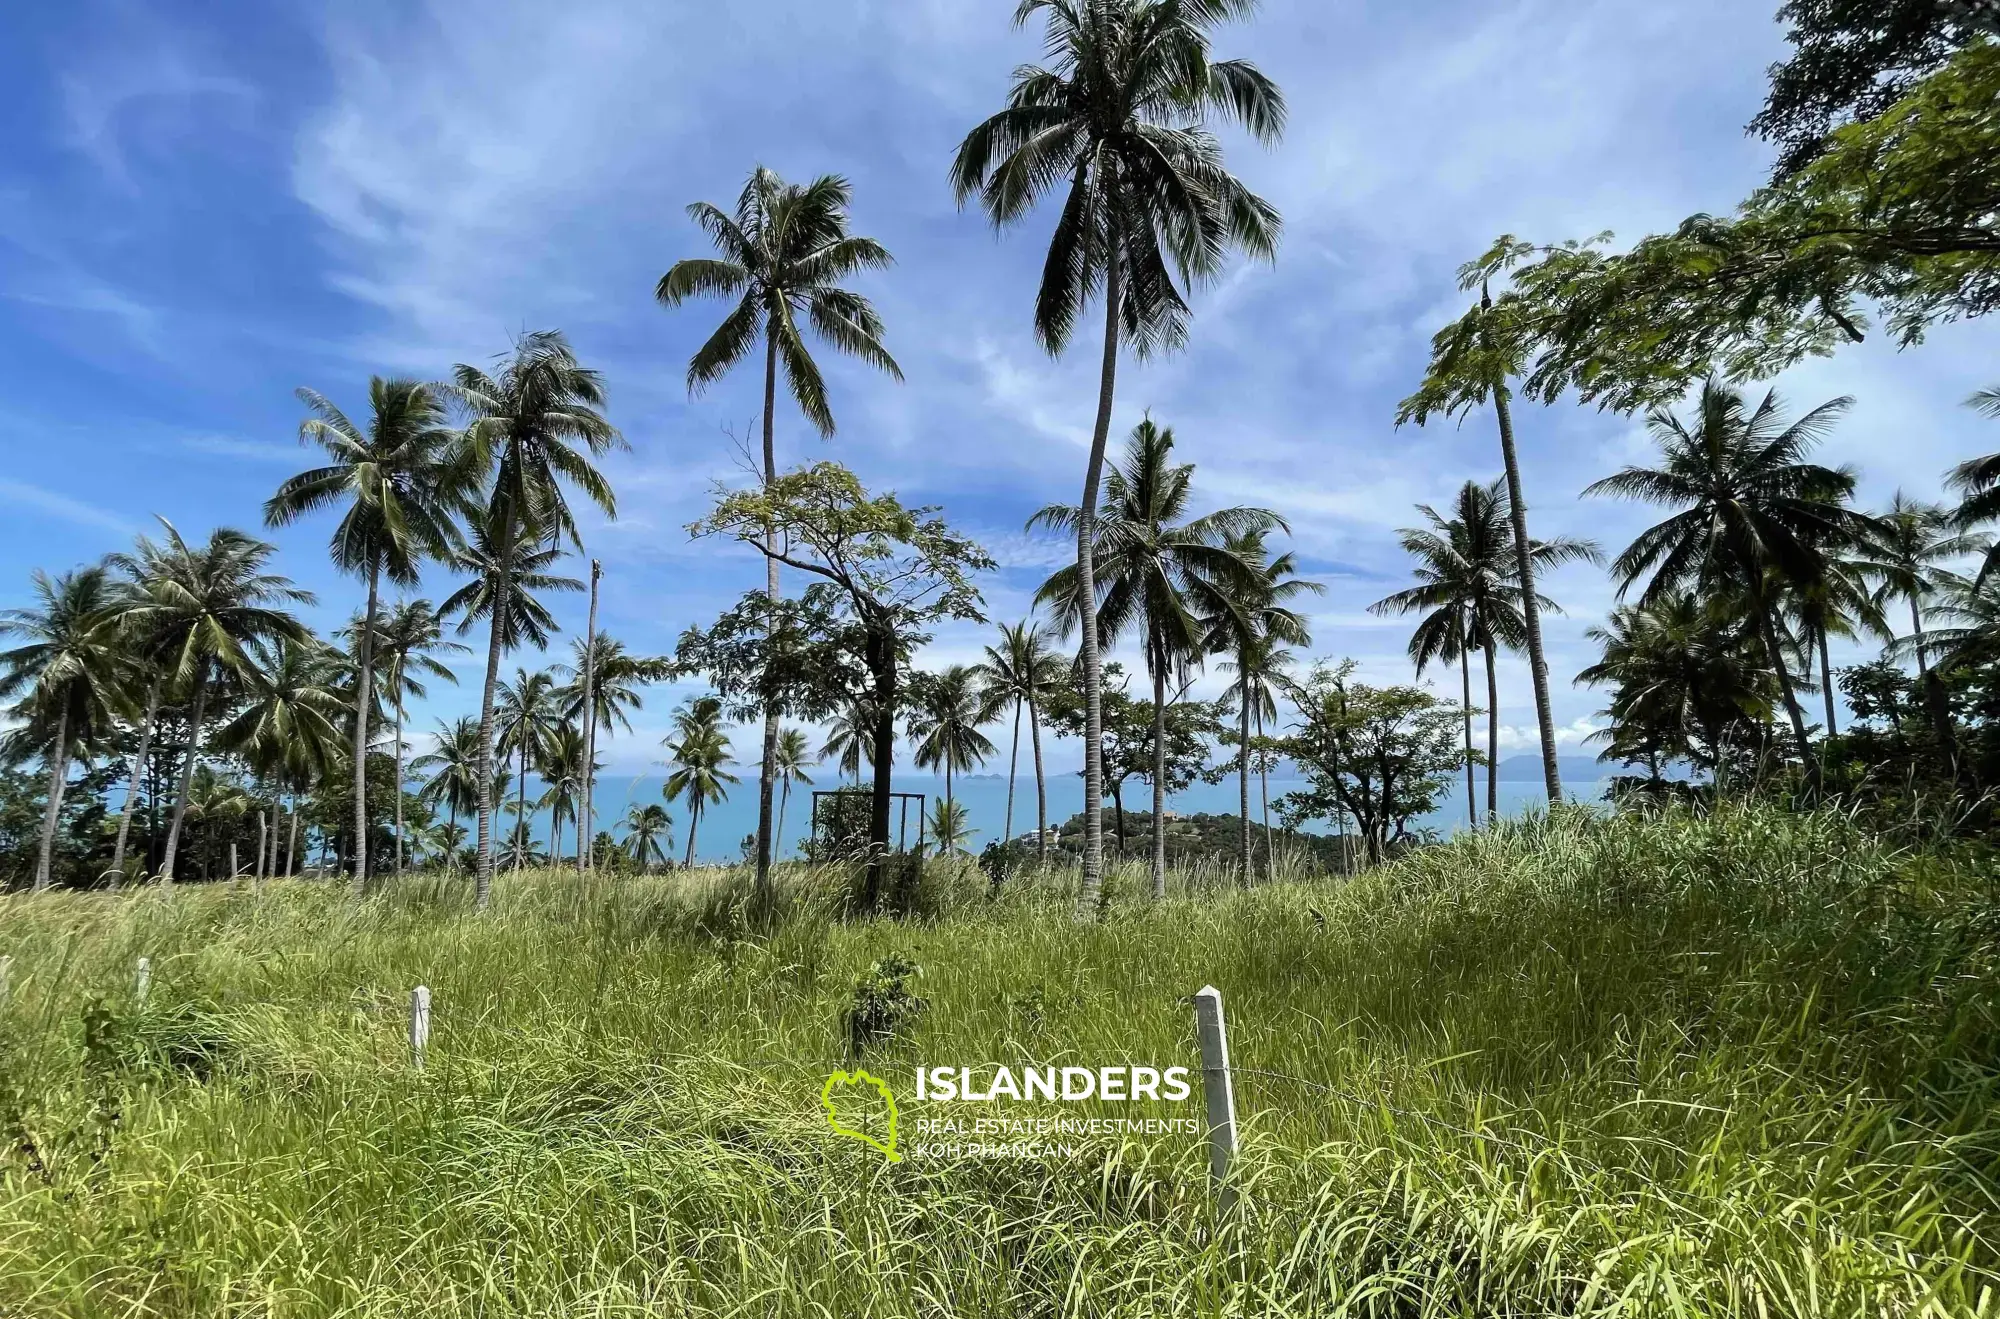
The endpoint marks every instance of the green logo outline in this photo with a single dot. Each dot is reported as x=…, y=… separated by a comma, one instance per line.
x=859, y=1077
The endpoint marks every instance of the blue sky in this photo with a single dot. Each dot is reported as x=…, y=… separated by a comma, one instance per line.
x=205, y=207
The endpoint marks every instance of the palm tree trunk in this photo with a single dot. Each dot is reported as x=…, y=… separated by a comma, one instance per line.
x=399, y=772
x=1492, y=738
x=483, y=855
x=1243, y=765
x=292, y=843
x=1465, y=685
x=784, y=800
x=1826, y=684
x=132, y=785
x=770, y=762
x=263, y=839
x=586, y=817
x=1264, y=796
x=58, y=778
x=363, y=693
x=1530, y=609
x=1013, y=767
x=1160, y=782
x=187, y=775
x=694, y=823
x=1090, y=892
x=1934, y=693
x=1768, y=632
x=521, y=831
x=1041, y=786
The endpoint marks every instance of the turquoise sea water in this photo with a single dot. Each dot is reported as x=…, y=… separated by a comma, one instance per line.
x=724, y=825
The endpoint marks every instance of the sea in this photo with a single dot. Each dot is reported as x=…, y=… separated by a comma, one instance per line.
x=725, y=824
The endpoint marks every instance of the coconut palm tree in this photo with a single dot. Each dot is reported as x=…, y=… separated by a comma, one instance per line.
x=562, y=770
x=539, y=421
x=1751, y=512
x=1118, y=123
x=287, y=727
x=408, y=641
x=1977, y=483
x=453, y=766
x=1684, y=672
x=1835, y=602
x=147, y=664
x=507, y=562
x=1154, y=574
x=783, y=255
x=948, y=709
x=1252, y=625
x=649, y=831
x=1469, y=578
x=794, y=759
x=401, y=482
x=1020, y=671
x=526, y=718
x=615, y=678
x=950, y=827
x=203, y=606
x=1905, y=556
x=700, y=756
x=71, y=678
x=850, y=739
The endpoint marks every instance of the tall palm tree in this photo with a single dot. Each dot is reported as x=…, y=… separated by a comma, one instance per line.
x=1752, y=512
x=401, y=483
x=1835, y=602
x=783, y=255
x=1469, y=578
x=649, y=831
x=1252, y=625
x=949, y=710
x=287, y=728
x=1683, y=671
x=526, y=718
x=1472, y=361
x=562, y=770
x=1154, y=573
x=539, y=420
x=700, y=756
x=1118, y=123
x=147, y=666
x=850, y=739
x=793, y=760
x=1020, y=671
x=614, y=677
x=453, y=765
x=507, y=563
x=70, y=675
x=1906, y=555
x=203, y=606
x=408, y=642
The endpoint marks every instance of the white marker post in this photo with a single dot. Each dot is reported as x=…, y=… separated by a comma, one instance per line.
x=420, y=1024
x=1216, y=1089
x=142, y=981
x=6, y=978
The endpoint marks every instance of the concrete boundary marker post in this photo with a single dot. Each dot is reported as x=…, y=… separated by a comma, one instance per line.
x=420, y=1024
x=142, y=981
x=1217, y=1091
x=6, y=978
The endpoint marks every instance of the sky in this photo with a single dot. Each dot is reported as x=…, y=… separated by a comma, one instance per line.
x=203, y=208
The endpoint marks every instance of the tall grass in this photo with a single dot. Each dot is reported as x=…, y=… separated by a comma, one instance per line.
x=1736, y=1064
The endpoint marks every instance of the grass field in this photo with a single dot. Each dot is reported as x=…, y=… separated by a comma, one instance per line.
x=1743, y=1064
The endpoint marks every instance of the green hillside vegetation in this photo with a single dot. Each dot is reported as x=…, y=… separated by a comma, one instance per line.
x=1731, y=1064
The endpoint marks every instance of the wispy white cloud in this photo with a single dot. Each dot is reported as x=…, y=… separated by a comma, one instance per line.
x=21, y=494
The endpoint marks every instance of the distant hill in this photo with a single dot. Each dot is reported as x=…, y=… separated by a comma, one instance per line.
x=1528, y=769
